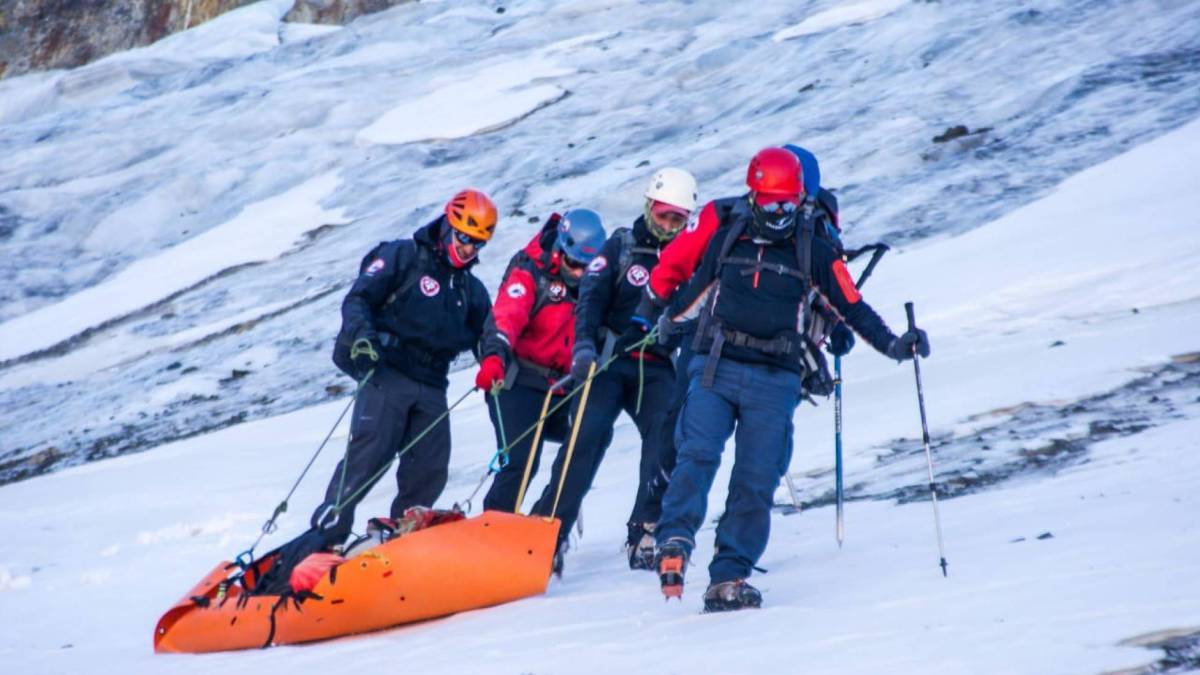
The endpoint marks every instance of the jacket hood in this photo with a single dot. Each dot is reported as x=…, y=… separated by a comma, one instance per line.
x=430, y=236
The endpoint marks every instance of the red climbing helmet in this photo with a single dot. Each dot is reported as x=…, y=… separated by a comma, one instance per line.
x=774, y=175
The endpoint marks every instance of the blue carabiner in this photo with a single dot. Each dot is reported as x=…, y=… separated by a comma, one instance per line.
x=499, y=461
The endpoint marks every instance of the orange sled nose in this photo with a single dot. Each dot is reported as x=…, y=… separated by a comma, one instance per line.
x=487, y=560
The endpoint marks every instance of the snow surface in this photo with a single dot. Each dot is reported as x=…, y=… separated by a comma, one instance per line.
x=95, y=553
x=260, y=232
x=110, y=165
x=1052, y=259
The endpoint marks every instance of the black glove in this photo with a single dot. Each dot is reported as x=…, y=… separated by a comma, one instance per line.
x=364, y=353
x=841, y=340
x=901, y=348
x=582, y=358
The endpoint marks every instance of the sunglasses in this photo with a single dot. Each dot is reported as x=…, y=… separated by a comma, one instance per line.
x=467, y=240
x=572, y=263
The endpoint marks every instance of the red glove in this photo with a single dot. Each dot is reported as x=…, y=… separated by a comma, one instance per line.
x=490, y=372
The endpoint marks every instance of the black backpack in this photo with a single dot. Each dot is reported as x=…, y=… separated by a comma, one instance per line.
x=817, y=320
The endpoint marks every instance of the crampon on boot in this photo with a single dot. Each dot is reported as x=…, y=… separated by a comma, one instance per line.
x=728, y=596
x=670, y=562
x=640, y=546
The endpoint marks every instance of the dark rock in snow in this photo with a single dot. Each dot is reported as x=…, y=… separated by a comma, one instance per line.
x=952, y=133
x=1045, y=535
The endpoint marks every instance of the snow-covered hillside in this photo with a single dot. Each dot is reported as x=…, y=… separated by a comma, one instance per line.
x=1077, y=566
x=174, y=214
x=126, y=182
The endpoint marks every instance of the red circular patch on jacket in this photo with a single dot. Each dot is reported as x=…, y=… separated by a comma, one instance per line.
x=637, y=275
x=558, y=291
x=430, y=286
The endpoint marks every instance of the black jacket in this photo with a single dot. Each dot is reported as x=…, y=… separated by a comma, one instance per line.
x=612, y=287
x=759, y=289
x=422, y=310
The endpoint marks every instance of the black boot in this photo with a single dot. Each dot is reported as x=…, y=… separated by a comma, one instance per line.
x=559, y=553
x=640, y=546
x=671, y=561
x=728, y=596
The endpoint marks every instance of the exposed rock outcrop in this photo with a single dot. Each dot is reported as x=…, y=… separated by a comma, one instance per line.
x=44, y=34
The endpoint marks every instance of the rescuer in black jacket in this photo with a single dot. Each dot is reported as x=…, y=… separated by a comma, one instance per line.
x=640, y=381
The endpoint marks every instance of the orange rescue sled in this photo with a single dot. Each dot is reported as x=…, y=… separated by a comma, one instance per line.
x=487, y=560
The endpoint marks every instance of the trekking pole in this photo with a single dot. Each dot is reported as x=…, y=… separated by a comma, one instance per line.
x=583, y=399
x=547, y=412
x=877, y=251
x=937, y=519
x=837, y=447
x=537, y=437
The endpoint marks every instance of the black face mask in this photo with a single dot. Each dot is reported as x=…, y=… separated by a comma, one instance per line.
x=775, y=222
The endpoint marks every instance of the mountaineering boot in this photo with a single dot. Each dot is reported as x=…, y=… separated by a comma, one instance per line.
x=728, y=596
x=671, y=561
x=381, y=528
x=640, y=546
x=556, y=566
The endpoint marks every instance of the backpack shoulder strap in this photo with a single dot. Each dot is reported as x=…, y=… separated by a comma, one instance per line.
x=627, y=243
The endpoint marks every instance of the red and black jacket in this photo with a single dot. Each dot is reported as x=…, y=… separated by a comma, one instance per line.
x=532, y=323
x=756, y=290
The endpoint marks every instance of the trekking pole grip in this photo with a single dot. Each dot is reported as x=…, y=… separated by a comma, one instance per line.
x=912, y=318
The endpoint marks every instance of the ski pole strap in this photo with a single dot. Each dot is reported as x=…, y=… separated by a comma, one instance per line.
x=579, y=413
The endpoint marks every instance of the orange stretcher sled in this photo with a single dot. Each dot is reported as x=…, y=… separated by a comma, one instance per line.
x=487, y=560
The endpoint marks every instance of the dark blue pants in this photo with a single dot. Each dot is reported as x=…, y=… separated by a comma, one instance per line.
x=659, y=479
x=613, y=390
x=390, y=411
x=756, y=403
x=520, y=407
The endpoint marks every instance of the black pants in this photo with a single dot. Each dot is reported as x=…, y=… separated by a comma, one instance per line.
x=390, y=411
x=519, y=408
x=656, y=487
x=613, y=390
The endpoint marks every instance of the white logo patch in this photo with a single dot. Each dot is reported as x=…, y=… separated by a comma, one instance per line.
x=515, y=291
x=597, y=265
x=637, y=275
x=374, y=268
x=430, y=286
x=558, y=291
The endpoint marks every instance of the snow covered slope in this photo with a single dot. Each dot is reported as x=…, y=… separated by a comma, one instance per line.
x=294, y=150
x=1073, y=563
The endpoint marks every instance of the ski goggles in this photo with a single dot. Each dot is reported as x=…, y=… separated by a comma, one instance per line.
x=778, y=209
x=467, y=240
x=776, y=215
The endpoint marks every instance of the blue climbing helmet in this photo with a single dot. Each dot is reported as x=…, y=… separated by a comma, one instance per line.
x=580, y=235
x=812, y=187
x=810, y=168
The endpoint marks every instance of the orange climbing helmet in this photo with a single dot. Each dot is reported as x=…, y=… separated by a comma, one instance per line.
x=472, y=213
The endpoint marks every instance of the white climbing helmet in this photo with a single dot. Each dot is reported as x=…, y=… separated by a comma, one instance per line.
x=673, y=186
